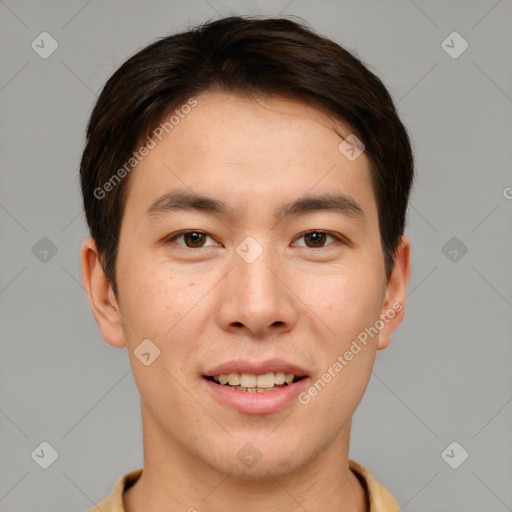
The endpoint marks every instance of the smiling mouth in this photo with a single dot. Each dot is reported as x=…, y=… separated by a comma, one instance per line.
x=252, y=383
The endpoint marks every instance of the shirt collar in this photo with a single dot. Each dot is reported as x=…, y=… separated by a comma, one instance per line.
x=379, y=497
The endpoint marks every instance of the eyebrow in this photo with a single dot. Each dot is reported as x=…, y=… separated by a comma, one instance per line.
x=183, y=201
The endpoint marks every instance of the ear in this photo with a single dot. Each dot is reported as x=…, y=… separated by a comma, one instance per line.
x=393, y=310
x=101, y=297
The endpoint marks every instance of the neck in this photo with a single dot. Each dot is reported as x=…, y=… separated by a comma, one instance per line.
x=173, y=478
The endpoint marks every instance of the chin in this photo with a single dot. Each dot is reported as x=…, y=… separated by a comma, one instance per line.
x=253, y=458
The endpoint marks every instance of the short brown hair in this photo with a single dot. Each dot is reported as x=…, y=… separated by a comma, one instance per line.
x=252, y=56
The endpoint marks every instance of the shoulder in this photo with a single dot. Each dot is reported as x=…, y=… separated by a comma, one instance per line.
x=381, y=500
x=114, y=502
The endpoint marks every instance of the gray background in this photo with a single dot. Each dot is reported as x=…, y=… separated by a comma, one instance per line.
x=446, y=376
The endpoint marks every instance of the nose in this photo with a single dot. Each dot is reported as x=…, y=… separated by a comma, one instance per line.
x=257, y=299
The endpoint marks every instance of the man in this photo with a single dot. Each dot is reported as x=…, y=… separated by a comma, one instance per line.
x=246, y=186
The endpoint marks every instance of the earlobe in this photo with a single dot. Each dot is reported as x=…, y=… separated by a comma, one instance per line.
x=393, y=310
x=101, y=297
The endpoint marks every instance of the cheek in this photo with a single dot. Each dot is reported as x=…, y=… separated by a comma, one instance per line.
x=155, y=299
x=156, y=306
x=348, y=353
x=346, y=299
x=167, y=306
x=350, y=305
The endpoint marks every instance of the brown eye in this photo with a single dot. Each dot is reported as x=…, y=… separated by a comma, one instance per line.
x=194, y=239
x=317, y=239
x=191, y=239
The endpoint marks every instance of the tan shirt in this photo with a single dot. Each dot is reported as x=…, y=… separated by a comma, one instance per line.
x=379, y=497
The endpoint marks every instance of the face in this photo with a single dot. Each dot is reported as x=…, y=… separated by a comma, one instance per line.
x=249, y=251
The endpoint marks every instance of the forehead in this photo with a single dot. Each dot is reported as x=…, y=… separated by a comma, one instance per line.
x=245, y=151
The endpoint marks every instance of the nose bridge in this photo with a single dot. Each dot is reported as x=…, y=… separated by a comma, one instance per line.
x=257, y=280
x=255, y=297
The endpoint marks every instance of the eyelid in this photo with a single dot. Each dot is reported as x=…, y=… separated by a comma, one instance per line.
x=337, y=237
x=171, y=238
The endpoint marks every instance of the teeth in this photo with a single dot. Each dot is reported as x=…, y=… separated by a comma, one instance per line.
x=233, y=379
x=255, y=383
x=256, y=390
x=279, y=377
x=266, y=380
x=248, y=380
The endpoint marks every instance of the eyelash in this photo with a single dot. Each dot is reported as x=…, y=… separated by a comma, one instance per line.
x=336, y=238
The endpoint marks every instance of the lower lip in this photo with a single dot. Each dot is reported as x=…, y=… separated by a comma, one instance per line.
x=256, y=403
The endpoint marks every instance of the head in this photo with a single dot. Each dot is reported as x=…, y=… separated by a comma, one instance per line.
x=233, y=226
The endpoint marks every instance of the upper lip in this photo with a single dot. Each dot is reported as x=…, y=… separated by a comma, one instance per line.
x=244, y=366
